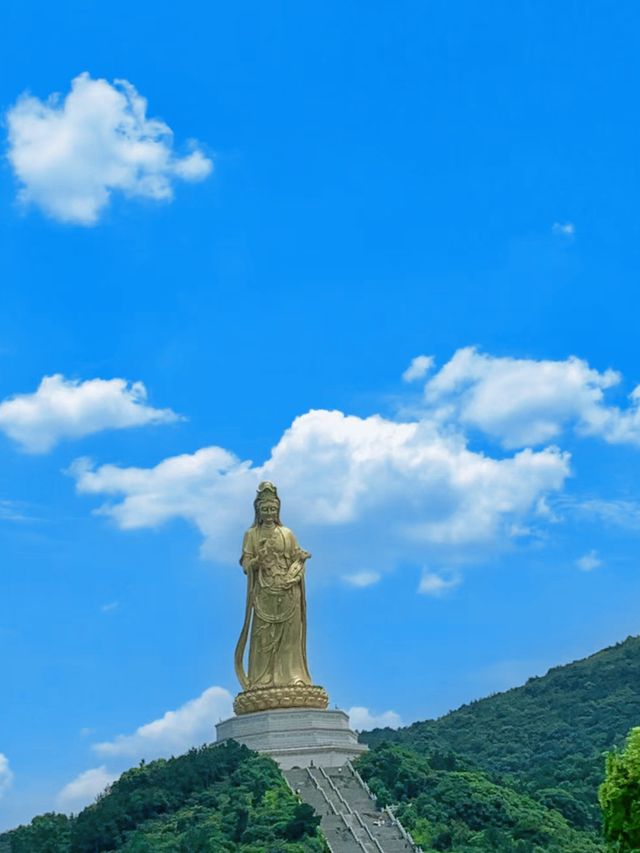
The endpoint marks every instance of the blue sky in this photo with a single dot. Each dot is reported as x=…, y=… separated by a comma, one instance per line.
x=236, y=294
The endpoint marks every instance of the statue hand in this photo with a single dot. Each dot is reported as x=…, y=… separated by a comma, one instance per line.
x=295, y=572
x=302, y=555
x=249, y=564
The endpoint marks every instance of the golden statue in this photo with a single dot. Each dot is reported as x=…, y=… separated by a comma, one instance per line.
x=275, y=616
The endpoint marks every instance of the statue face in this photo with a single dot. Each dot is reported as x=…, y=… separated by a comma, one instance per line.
x=268, y=512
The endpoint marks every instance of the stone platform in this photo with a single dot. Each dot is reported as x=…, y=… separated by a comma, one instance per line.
x=295, y=737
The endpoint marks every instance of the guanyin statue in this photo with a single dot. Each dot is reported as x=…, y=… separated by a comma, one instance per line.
x=276, y=615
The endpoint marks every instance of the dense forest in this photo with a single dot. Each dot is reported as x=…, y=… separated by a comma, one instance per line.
x=211, y=800
x=517, y=772
x=537, y=747
x=448, y=806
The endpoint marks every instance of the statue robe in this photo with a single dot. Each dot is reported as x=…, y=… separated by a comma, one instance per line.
x=277, y=609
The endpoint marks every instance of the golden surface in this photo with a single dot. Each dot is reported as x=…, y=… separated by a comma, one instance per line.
x=268, y=698
x=275, y=617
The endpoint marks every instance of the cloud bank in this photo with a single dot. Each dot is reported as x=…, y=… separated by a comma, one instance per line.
x=523, y=402
x=190, y=725
x=463, y=476
x=175, y=732
x=84, y=789
x=389, y=491
x=70, y=154
x=63, y=409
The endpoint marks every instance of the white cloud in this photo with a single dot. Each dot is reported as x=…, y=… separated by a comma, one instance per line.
x=70, y=154
x=6, y=776
x=175, y=732
x=437, y=585
x=589, y=562
x=84, y=789
x=361, y=719
x=418, y=368
x=361, y=579
x=524, y=402
x=63, y=408
x=110, y=607
x=564, y=229
x=390, y=491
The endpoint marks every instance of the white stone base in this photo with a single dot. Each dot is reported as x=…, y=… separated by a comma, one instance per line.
x=295, y=737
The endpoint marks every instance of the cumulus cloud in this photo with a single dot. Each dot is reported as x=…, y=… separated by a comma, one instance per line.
x=361, y=579
x=589, y=562
x=526, y=402
x=70, y=154
x=418, y=368
x=64, y=408
x=6, y=776
x=392, y=491
x=436, y=585
x=361, y=719
x=84, y=789
x=389, y=491
x=175, y=732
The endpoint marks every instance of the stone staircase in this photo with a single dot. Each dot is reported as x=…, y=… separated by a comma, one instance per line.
x=350, y=819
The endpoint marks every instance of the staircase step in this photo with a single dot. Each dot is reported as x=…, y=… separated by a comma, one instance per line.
x=350, y=818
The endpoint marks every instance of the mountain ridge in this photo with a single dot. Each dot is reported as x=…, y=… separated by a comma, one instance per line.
x=549, y=734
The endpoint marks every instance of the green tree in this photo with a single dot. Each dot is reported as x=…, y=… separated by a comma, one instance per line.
x=48, y=833
x=620, y=796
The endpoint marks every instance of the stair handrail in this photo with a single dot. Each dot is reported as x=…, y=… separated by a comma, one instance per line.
x=336, y=790
x=361, y=780
x=374, y=840
x=406, y=835
x=352, y=831
x=296, y=794
x=322, y=791
x=394, y=820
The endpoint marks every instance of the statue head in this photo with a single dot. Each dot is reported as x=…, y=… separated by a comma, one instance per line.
x=266, y=502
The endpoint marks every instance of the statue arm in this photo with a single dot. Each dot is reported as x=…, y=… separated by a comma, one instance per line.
x=298, y=558
x=248, y=559
x=298, y=553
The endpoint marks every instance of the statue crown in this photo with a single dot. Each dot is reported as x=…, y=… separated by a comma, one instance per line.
x=266, y=490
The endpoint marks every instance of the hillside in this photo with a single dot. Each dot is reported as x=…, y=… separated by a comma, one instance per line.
x=516, y=773
x=547, y=738
x=211, y=800
x=448, y=806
